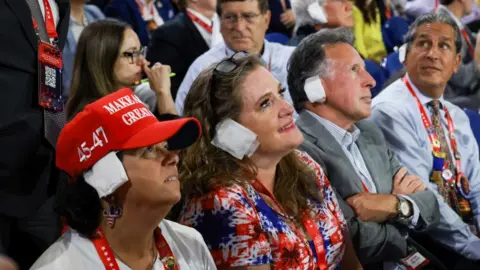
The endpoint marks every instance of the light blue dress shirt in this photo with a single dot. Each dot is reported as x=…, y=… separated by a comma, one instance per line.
x=396, y=112
x=275, y=55
x=347, y=140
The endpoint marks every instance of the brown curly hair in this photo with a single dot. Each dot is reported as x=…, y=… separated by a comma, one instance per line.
x=205, y=166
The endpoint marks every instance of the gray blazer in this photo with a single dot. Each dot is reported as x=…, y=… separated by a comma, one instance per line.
x=373, y=242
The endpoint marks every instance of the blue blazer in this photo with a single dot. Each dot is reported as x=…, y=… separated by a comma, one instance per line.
x=92, y=13
x=127, y=11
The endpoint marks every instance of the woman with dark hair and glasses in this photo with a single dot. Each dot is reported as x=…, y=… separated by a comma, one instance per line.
x=109, y=57
x=123, y=167
x=258, y=202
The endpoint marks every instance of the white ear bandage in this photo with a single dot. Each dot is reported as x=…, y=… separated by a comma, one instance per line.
x=317, y=12
x=235, y=139
x=402, y=53
x=106, y=175
x=314, y=89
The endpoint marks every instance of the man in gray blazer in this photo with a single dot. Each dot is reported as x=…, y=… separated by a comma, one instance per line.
x=330, y=89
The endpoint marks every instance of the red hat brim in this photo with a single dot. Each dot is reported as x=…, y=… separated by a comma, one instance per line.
x=179, y=133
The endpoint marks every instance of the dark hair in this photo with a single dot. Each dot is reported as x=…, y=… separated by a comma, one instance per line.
x=181, y=4
x=79, y=205
x=309, y=59
x=97, y=50
x=432, y=18
x=205, y=166
x=262, y=5
x=369, y=11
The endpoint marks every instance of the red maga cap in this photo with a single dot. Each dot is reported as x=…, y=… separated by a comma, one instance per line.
x=116, y=122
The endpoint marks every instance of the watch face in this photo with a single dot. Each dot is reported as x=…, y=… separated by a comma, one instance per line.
x=404, y=208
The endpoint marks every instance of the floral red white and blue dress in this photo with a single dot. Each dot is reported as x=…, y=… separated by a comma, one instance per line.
x=241, y=229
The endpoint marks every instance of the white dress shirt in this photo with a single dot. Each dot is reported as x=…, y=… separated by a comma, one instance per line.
x=213, y=38
x=396, y=112
x=275, y=55
x=74, y=252
x=54, y=8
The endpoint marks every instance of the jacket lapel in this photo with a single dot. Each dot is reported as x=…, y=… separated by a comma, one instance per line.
x=363, y=144
x=195, y=34
x=317, y=134
x=20, y=8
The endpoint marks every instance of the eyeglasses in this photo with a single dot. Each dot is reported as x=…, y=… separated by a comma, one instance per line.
x=228, y=65
x=231, y=19
x=133, y=56
x=224, y=67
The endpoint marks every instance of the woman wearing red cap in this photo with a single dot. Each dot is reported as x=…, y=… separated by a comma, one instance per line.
x=123, y=167
x=258, y=202
x=109, y=57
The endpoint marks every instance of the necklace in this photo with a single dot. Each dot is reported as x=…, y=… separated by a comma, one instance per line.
x=155, y=256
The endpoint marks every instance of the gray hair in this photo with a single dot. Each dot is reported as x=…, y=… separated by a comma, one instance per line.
x=433, y=18
x=309, y=59
x=302, y=17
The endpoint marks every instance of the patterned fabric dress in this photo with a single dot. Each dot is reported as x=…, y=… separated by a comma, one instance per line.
x=241, y=229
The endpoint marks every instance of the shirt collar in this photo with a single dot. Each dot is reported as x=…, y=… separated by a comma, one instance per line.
x=267, y=51
x=201, y=17
x=423, y=98
x=457, y=21
x=342, y=136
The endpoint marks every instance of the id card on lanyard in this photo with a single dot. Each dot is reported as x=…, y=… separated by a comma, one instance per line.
x=309, y=224
x=50, y=65
x=460, y=180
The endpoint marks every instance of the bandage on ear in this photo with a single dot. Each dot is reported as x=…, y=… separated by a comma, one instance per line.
x=317, y=12
x=402, y=53
x=314, y=90
x=107, y=175
x=235, y=139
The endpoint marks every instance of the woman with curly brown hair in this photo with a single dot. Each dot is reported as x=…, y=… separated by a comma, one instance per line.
x=258, y=202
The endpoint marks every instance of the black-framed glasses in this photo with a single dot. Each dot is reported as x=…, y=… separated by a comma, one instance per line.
x=133, y=56
x=231, y=19
x=224, y=67
x=228, y=65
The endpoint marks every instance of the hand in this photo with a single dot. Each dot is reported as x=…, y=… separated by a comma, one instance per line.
x=373, y=207
x=288, y=18
x=7, y=264
x=159, y=78
x=406, y=184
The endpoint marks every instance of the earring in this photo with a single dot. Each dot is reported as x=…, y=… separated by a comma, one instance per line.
x=113, y=211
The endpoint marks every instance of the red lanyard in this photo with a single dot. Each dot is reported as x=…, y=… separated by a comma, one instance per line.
x=469, y=43
x=49, y=21
x=140, y=8
x=110, y=263
x=432, y=135
x=205, y=26
x=436, y=4
x=365, y=188
x=308, y=222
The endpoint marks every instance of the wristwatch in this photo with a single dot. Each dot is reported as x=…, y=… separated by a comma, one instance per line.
x=404, y=209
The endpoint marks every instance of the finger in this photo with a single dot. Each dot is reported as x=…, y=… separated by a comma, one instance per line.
x=146, y=69
x=399, y=176
x=351, y=200
x=168, y=68
x=419, y=187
